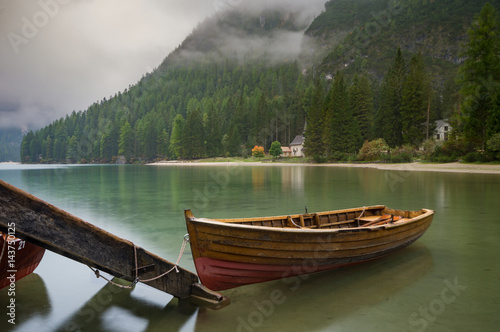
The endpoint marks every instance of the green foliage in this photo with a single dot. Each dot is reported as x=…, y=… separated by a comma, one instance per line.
x=415, y=99
x=478, y=157
x=223, y=105
x=193, y=137
x=163, y=144
x=373, y=150
x=339, y=156
x=72, y=150
x=315, y=120
x=275, y=149
x=451, y=151
x=176, y=137
x=213, y=126
x=480, y=78
x=361, y=103
x=388, y=120
x=126, y=143
x=233, y=141
x=365, y=31
x=493, y=143
x=250, y=103
x=341, y=131
x=428, y=148
x=403, y=154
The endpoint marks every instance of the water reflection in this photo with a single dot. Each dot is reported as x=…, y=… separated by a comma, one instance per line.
x=118, y=309
x=144, y=205
x=292, y=178
x=31, y=300
x=319, y=300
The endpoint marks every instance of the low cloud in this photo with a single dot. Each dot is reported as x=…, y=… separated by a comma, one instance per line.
x=238, y=36
x=63, y=55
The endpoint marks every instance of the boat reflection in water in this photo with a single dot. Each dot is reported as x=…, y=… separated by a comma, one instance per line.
x=129, y=309
x=322, y=299
x=31, y=299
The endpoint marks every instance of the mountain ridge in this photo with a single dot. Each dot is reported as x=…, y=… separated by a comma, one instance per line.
x=248, y=93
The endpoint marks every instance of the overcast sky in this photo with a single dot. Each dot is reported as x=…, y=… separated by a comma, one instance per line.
x=57, y=56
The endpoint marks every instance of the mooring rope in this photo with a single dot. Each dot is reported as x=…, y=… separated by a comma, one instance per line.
x=137, y=279
x=293, y=222
x=364, y=208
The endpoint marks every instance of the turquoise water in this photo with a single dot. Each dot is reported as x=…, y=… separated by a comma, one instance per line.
x=449, y=280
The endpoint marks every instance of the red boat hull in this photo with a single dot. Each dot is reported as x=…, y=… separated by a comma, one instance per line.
x=25, y=261
x=220, y=275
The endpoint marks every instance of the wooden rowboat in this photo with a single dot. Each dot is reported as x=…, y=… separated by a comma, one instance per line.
x=234, y=252
x=48, y=227
x=18, y=259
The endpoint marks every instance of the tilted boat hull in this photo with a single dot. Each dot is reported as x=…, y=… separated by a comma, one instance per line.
x=236, y=252
x=23, y=262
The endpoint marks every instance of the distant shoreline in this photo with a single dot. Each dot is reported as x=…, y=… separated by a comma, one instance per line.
x=416, y=166
x=406, y=167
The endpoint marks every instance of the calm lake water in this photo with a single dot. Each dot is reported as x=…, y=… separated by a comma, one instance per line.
x=449, y=280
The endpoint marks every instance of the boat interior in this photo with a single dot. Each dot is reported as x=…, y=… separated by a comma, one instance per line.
x=362, y=217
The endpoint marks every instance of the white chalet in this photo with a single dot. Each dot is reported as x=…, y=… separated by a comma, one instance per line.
x=443, y=129
x=297, y=146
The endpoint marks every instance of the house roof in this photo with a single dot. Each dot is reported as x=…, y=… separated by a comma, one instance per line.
x=286, y=149
x=441, y=123
x=298, y=140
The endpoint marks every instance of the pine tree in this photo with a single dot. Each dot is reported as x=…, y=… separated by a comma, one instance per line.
x=60, y=142
x=361, y=103
x=341, y=131
x=233, y=140
x=163, y=144
x=106, y=153
x=414, y=103
x=213, y=131
x=126, y=142
x=480, y=78
x=261, y=130
x=49, y=148
x=151, y=139
x=25, y=147
x=193, y=137
x=176, y=137
x=314, y=123
x=72, y=151
x=388, y=124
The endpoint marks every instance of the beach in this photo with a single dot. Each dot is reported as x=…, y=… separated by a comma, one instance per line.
x=416, y=166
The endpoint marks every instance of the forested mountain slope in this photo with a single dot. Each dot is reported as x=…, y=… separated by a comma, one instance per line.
x=244, y=79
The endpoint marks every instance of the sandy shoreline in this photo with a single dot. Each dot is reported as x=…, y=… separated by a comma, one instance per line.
x=421, y=167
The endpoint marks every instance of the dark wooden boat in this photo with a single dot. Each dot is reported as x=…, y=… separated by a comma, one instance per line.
x=18, y=258
x=234, y=252
x=51, y=228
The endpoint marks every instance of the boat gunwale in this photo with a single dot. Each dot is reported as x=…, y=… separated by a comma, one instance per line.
x=233, y=223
